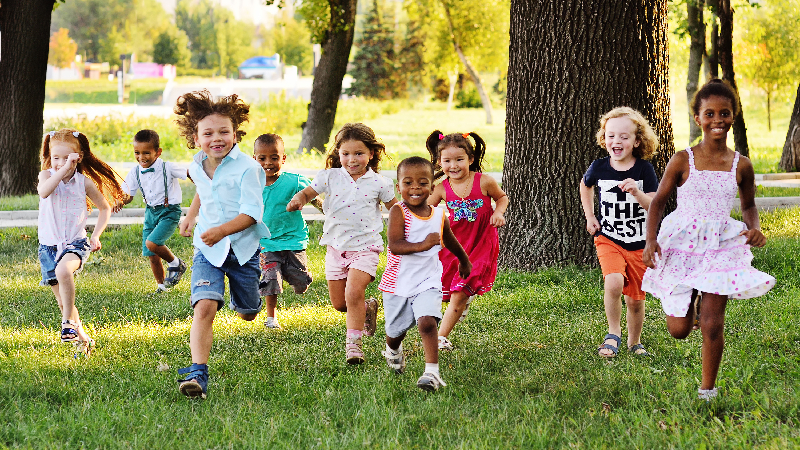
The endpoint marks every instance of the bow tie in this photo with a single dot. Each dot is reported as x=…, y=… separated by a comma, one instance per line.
x=151, y=169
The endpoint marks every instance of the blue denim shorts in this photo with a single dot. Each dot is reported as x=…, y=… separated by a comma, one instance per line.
x=49, y=258
x=208, y=282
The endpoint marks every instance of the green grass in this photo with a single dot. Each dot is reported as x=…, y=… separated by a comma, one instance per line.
x=524, y=374
x=146, y=91
x=768, y=191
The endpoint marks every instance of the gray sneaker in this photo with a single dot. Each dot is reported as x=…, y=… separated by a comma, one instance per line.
x=272, y=323
x=395, y=361
x=174, y=274
x=430, y=382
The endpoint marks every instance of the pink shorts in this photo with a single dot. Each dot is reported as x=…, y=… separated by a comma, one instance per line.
x=338, y=262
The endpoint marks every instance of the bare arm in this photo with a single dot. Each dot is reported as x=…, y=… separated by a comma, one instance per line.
x=587, y=202
x=747, y=193
x=673, y=175
x=451, y=243
x=390, y=203
x=301, y=198
x=188, y=222
x=48, y=184
x=492, y=189
x=235, y=225
x=104, y=213
x=437, y=195
x=396, y=236
x=629, y=185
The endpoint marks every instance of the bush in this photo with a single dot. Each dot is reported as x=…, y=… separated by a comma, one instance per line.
x=468, y=98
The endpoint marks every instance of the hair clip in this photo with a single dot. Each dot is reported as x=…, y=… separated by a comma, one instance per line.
x=465, y=135
x=441, y=136
x=52, y=134
x=76, y=133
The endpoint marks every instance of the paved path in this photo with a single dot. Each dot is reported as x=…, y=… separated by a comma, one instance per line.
x=129, y=216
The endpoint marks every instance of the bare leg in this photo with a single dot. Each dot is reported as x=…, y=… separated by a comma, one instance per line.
x=430, y=338
x=271, y=303
x=612, y=301
x=201, y=335
x=65, y=274
x=162, y=251
x=336, y=290
x=394, y=342
x=357, y=282
x=712, y=325
x=157, y=268
x=458, y=301
x=635, y=315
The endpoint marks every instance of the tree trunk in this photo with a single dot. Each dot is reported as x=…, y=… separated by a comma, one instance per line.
x=605, y=54
x=487, y=105
x=790, y=158
x=697, y=48
x=24, y=47
x=453, y=78
x=328, y=76
x=726, y=63
x=713, y=57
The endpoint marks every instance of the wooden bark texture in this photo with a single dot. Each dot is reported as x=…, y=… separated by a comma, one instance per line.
x=570, y=61
x=25, y=25
x=327, y=86
x=726, y=64
x=790, y=158
x=697, y=49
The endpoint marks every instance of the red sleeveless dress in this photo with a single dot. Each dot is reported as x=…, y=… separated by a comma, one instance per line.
x=469, y=220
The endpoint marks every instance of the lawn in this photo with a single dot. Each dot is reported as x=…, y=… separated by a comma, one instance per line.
x=524, y=373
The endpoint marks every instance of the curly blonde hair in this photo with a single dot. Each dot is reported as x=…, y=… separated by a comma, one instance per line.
x=356, y=132
x=648, y=140
x=196, y=106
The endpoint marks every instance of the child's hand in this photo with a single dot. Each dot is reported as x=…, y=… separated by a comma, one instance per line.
x=754, y=237
x=294, y=204
x=71, y=164
x=651, y=249
x=629, y=185
x=432, y=240
x=94, y=244
x=212, y=236
x=592, y=225
x=464, y=269
x=497, y=220
x=186, y=227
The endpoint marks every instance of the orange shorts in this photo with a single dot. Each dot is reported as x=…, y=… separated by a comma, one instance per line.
x=615, y=259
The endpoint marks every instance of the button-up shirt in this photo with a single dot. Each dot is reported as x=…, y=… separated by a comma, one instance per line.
x=235, y=189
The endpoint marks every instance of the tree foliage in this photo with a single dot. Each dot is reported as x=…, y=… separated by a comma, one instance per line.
x=171, y=47
x=770, y=41
x=292, y=40
x=373, y=66
x=62, y=49
x=105, y=29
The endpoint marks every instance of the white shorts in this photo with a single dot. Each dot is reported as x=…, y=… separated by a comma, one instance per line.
x=402, y=313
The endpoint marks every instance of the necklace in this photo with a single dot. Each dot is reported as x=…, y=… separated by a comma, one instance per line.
x=466, y=191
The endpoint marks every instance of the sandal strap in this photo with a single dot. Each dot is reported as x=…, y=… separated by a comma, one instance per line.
x=194, y=371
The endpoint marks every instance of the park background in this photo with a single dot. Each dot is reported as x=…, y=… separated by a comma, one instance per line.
x=525, y=374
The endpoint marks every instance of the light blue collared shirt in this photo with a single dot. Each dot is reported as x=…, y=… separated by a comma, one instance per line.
x=235, y=189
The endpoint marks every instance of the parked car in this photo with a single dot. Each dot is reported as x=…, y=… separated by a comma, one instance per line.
x=266, y=67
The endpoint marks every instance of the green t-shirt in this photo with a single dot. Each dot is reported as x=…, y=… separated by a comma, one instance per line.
x=288, y=229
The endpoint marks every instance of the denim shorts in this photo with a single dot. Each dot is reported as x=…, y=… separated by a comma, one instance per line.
x=208, y=282
x=401, y=313
x=49, y=258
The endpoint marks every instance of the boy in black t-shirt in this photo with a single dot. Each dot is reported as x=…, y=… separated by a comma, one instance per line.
x=626, y=185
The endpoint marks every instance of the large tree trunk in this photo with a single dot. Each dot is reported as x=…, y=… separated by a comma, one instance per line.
x=605, y=54
x=697, y=49
x=790, y=158
x=487, y=104
x=24, y=47
x=328, y=76
x=726, y=63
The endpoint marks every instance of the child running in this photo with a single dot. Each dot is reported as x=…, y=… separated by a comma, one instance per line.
x=283, y=254
x=353, y=223
x=227, y=210
x=65, y=200
x=157, y=179
x=627, y=184
x=700, y=249
x=468, y=195
x=412, y=282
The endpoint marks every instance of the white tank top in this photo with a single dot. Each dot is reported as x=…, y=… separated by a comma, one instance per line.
x=408, y=275
x=62, y=215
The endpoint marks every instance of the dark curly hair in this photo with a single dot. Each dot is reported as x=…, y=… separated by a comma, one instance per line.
x=104, y=177
x=195, y=106
x=356, y=132
x=715, y=87
x=437, y=142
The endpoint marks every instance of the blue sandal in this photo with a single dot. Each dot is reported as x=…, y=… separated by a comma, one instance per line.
x=196, y=382
x=614, y=349
x=69, y=331
x=634, y=348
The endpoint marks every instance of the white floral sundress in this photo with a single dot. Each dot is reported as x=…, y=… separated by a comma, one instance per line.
x=701, y=247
